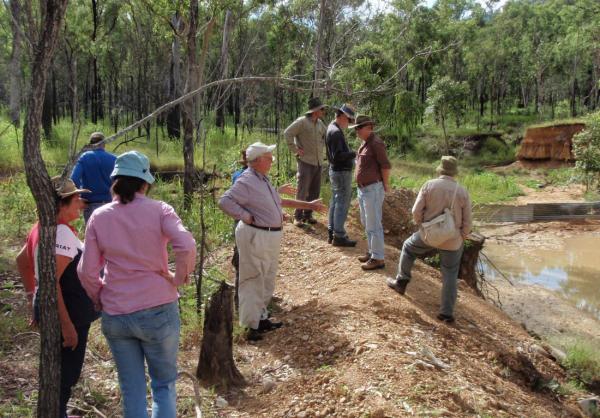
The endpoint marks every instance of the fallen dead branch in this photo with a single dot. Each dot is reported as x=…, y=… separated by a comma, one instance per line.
x=197, y=396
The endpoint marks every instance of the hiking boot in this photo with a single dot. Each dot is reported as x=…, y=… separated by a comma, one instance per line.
x=364, y=258
x=343, y=242
x=397, y=284
x=253, y=335
x=310, y=220
x=449, y=319
x=299, y=223
x=266, y=325
x=373, y=264
x=329, y=236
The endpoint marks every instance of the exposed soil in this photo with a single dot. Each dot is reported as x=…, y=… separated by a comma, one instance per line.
x=552, y=194
x=549, y=142
x=351, y=346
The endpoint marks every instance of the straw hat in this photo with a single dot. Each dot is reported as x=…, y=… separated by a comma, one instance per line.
x=65, y=187
x=448, y=166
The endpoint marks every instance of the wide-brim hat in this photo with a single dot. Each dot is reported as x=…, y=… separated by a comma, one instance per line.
x=257, y=149
x=243, y=160
x=314, y=104
x=448, y=166
x=65, y=187
x=347, y=110
x=133, y=164
x=96, y=137
x=362, y=120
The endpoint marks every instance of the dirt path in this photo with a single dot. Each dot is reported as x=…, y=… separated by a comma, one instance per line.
x=552, y=194
x=352, y=347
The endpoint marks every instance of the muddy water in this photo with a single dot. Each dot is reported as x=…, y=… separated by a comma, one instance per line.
x=567, y=265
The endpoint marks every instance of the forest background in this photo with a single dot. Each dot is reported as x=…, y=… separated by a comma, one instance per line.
x=431, y=74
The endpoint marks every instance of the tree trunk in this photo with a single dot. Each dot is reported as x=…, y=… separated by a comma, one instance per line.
x=53, y=12
x=47, y=111
x=222, y=91
x=189, y=108
x=216, y=366
x=174, y=116
x=55, y=107
x=446, y=142
x=468, y=263
x=16, y=75
x=319, y=48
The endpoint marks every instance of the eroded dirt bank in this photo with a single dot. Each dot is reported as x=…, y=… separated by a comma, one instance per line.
x=351, y=346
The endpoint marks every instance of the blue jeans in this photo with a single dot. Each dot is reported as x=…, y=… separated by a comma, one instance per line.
x=151, y=335
x=341, y=194
x=90, y=208
x=414, y=247
x=370, y=200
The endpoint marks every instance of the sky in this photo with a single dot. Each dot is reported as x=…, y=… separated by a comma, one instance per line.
x=482, y=2
x=381, y=4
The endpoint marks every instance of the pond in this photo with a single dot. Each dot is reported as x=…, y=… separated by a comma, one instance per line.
x=566, y=265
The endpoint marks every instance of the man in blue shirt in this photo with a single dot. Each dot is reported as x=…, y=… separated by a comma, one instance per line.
x=239, y=172
x=92, y=172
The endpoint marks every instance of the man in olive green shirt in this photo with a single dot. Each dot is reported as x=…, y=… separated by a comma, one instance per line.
x=306, y=139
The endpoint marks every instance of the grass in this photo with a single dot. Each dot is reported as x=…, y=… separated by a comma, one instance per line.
x=222, y=147
x=582, y=361
x=565, y=121
x=21, y=406
x=483, y=186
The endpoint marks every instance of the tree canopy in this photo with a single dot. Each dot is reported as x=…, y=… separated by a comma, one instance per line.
x=119, y=60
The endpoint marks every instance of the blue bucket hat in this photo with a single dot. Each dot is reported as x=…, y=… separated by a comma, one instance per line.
x=133, y=164
x=347, y=110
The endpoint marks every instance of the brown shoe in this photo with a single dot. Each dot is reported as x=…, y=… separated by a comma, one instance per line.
x=373, y=264
x=364, y=258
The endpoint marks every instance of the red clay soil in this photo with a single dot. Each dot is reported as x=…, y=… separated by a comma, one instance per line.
x=352, y=347
x=549, y=142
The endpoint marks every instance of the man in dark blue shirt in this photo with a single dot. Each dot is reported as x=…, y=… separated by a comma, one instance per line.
x=92, y=172
x=341, y=162
x=239, y=172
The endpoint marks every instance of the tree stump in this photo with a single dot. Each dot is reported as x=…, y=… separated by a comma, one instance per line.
x=216, y=366
x=468, y=263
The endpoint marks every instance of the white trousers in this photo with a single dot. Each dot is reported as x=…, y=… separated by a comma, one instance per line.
x=259, y=259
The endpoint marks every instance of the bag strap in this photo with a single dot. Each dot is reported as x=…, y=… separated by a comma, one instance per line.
x=453, y=197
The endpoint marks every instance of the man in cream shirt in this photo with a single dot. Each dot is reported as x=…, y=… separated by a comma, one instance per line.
x=435, y=196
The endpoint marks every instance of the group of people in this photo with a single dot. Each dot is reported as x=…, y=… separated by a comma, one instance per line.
x=119, y=272
x=257, y=208
x=306, y=137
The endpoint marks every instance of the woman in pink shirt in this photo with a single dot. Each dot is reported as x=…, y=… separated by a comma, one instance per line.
x=128, y=238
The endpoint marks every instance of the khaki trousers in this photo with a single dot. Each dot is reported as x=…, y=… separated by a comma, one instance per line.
x=309, y=187
x=259, y=259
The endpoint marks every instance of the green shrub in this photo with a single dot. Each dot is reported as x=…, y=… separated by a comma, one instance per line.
x=586, y=149
x=583, y=360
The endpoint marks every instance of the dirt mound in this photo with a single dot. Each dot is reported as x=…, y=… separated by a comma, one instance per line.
x=397, y=216
x=549, y=142
x=351, y=347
